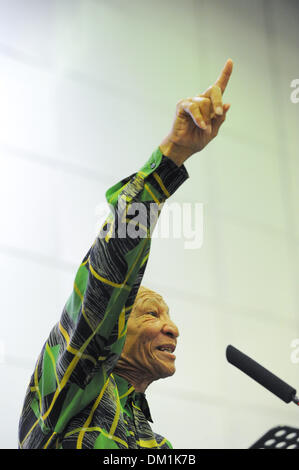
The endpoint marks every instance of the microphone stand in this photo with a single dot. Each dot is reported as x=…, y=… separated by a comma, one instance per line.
x=295, y=400
x=280, y=437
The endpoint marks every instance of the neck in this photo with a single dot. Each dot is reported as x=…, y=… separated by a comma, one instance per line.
x=139, y=379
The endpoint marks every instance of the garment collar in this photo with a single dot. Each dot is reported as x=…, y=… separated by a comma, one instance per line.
x=127, y=392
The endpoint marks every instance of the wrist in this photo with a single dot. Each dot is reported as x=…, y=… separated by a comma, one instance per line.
x=176, y=153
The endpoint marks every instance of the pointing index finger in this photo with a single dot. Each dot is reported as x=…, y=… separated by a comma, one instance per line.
x=224, y=77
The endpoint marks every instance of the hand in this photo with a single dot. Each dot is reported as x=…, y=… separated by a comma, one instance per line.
x=197, y=120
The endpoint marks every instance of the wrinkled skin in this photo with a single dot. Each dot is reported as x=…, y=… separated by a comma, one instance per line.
x=149, y=327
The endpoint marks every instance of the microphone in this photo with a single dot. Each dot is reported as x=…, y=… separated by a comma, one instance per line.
x=261, y=375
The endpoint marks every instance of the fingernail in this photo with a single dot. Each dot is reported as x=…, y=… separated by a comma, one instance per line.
x=219, y=110
x=203, y=125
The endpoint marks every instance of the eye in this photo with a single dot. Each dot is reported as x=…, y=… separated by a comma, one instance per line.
x=154, y=314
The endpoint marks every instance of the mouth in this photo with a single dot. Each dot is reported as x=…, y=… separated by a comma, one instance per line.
x=167, y=350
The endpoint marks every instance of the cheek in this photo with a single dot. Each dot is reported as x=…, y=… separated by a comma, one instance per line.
x=142, y=335
x=149, y=341
x=146, y=336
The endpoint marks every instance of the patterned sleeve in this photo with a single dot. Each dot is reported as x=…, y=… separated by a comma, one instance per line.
x=84, y=346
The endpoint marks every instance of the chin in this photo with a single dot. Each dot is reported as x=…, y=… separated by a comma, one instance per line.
x=167, y=372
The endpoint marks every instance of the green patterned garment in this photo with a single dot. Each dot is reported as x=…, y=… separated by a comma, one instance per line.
x=73, y=399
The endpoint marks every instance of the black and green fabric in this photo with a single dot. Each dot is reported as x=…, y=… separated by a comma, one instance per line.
x=73, y=399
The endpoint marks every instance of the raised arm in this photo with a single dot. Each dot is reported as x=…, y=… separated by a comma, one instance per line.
x=84, y=346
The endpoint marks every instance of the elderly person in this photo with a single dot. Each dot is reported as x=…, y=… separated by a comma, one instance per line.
x=115, y=337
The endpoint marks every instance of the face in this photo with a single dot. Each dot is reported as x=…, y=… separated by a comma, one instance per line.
x=151, y=336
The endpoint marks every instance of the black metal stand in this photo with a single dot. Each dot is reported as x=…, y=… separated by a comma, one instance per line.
x=281, y=437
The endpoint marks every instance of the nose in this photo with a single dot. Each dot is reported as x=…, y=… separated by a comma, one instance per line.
x=170, y=329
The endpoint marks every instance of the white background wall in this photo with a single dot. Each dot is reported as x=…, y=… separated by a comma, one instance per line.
x=87, y=91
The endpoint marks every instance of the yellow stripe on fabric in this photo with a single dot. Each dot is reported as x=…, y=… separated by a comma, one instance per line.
x=29, y=432
x=48, y=349
x=137, y=259
x=102, y=358
x=105, y=281
x=124, y=332
x=63, y=382
x=84, y=262
x=80, y=354
x=65, y=334
x=109, y=233
x=116, y=417
x=72, y=350
x=40, y=402
x=161, y=184
x=131, y=389
x=36, y=385
x=49, y=440
x=152, y=194
x=148, y=444
x=121, y=322
x=95, y=405
x=85, y=317
x=76, y=289
x=137, y=407
x=114, y=438
x=144, y=259
x=162, y=442
x=69, y=371
x=122, y=327
x=97, y=428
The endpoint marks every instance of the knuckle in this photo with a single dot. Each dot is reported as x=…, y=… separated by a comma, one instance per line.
x=217, y=89
x=183, y=102
x=180, y=102
x=205, y=104
x=193, y=105
x=214, y=90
